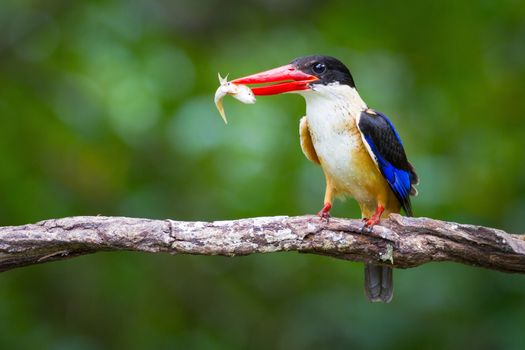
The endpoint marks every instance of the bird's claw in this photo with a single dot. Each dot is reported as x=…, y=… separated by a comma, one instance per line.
x=324, y=214
x=368, y=226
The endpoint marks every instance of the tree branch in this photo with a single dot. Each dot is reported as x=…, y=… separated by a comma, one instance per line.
x=400, y=241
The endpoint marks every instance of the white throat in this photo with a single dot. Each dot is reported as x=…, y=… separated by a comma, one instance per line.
x=324, y=100
x=327, y=106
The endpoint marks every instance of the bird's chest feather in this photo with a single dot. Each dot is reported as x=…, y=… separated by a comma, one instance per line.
x=339, y=146
x=335, y=140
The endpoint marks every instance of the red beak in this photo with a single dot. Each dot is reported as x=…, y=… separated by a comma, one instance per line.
x=286, y=79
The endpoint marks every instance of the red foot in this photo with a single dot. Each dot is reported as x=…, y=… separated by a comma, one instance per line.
x=324, y=214
x=374, y=220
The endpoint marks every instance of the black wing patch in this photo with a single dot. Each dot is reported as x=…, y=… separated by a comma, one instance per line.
x=389, y=154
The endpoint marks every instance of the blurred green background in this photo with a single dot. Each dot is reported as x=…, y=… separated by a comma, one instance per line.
x=106, y=107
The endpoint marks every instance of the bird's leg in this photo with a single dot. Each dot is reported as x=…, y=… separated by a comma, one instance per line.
x=324, y=214
x=374, y=219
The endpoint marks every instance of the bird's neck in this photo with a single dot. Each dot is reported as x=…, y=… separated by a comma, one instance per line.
x=333, y=102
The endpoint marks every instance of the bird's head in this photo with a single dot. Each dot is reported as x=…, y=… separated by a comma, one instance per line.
x=302, y=74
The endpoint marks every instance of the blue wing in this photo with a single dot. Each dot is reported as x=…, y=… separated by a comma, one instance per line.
x=387, y=150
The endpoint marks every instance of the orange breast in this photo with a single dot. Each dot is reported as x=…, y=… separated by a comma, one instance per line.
x=355, y=173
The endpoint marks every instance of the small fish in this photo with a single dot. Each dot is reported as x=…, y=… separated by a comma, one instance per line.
x=241, y=92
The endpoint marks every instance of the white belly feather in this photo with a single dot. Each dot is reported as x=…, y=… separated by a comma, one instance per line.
x=335, y=146
x=331, y=115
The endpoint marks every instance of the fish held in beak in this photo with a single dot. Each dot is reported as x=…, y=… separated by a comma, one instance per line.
x=240, y=92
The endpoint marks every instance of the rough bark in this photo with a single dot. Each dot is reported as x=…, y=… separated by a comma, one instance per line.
x=400, y=241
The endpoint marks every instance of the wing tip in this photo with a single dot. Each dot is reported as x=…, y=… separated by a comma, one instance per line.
x=414, y=181
x=407, y=206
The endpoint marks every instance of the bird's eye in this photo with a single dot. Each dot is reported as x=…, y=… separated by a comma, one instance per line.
x=319, y=68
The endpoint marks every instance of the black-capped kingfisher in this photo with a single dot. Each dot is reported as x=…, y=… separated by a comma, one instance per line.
x=358, y=149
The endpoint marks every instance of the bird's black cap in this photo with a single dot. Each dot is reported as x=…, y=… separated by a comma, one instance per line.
x=328, y=69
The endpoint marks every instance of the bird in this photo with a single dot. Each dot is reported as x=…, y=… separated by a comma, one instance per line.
x=358, y=149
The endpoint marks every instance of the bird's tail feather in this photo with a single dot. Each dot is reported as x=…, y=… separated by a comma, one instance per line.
x=379, y=283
